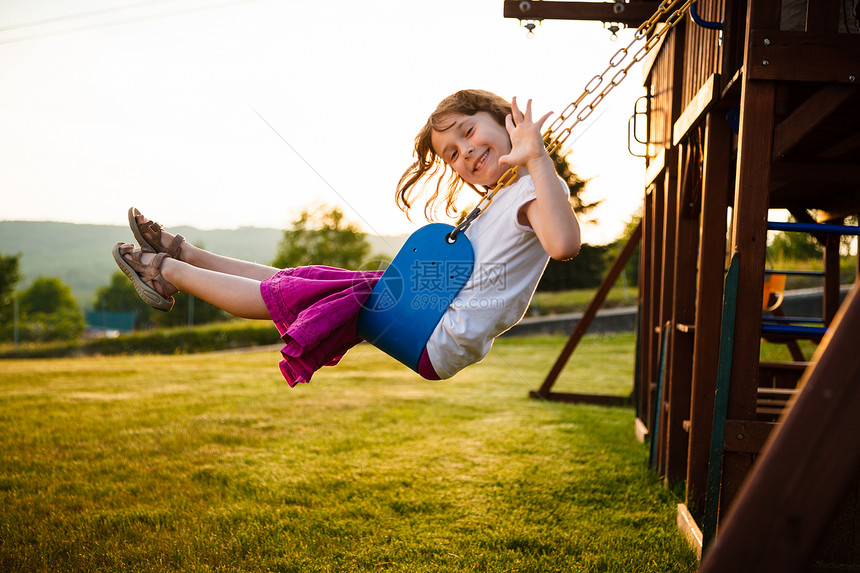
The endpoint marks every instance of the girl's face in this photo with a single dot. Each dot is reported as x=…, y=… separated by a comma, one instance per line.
x=472, y=146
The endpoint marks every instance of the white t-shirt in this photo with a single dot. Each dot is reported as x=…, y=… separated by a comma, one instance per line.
x=509, y=262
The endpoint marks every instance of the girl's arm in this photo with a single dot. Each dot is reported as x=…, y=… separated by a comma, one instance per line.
x=550, y=214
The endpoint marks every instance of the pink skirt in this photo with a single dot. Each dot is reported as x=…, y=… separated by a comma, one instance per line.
x=315, y=309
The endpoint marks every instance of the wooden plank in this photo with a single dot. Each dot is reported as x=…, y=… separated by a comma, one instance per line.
x=593, y=399
x=711, y=264
x=831, y=274
x=655, y=255
x=822, y=173
x=809, y=115
x=655, y=167
x=667, y=288
x=647, y=339
x=782, y=374
x=721, y=402
x=747, y=436
x=804, y=57
x=633, y=14
x=640, y=430
x=657, y=417
x=707, y=95
x=683, y=311
x=806, y=469
x=651, y=57
x=690, y=530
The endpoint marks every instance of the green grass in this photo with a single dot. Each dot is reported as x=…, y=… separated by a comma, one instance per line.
x=211, y=463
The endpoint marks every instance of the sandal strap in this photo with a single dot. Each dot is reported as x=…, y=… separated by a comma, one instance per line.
x=164, y=287
x=151, y=273
x=175, y=246
x=151, y=231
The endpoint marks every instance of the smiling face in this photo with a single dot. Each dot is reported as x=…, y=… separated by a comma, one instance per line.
x=472, y=146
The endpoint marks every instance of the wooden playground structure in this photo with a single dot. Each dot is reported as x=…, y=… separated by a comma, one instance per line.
x=751, y=106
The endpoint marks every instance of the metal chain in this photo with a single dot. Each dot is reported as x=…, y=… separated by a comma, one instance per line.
x=577, y=110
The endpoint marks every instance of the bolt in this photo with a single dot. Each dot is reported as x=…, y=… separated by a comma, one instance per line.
x=525, y=6
x=852, y=77
x=767, y=41
x=740, y=436
x=765, y=62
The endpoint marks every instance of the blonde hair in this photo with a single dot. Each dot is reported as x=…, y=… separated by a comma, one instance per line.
x=428, y=164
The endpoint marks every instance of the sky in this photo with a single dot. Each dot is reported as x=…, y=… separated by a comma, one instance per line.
x=228, y=113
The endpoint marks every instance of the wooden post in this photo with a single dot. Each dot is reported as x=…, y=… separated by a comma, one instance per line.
x=831, y=273
x=712, y=260
x=749, y=237
x=667, y=291
x=654, y=324
x=683, y=311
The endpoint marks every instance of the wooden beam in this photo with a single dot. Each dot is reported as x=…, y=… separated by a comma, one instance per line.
x=840, y=147
x=640, y=430
x=683, y=311
x=688, y=527
x=845, y=174
x=655, y=167
x=749, y=238
x=707, y=95
x=809, y=115
x=651, y=57
x=709, y=296
x=804, y=57
x=593, y=399
x=747, y=436
x=633, y=14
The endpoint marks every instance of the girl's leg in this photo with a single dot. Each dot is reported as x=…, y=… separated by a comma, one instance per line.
x=236, y=294
x=197, y=257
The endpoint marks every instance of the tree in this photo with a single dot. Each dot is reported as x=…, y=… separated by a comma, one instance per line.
x=10, y=276
x=788, y=246
x=119, y=296
x=322, y=238
x=575, y=183
x=631, y=269
x=50, y=312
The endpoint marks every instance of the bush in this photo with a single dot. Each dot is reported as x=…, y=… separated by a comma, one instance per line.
x=47, y=312
x=586, y=270
x=209, y=338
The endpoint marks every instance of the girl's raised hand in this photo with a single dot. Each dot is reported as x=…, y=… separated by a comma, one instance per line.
x=525, y=134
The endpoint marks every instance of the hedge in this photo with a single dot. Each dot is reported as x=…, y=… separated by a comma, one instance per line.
x=222, y=336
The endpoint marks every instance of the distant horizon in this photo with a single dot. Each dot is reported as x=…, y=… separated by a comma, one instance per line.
x=180, y=225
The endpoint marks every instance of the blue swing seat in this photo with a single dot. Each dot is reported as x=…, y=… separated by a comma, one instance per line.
x=417, y=287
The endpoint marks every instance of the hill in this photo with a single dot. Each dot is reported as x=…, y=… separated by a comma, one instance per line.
x=80, y=254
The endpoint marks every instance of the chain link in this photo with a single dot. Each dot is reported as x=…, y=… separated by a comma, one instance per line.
x=558, y=132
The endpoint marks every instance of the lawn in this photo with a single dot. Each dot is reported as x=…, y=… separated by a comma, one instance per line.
x=209, y=462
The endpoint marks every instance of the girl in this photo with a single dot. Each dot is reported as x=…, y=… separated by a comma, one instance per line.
x=478, y=135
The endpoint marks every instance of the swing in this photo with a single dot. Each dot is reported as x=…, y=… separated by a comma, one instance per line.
x=437, y=260
x=412, y=295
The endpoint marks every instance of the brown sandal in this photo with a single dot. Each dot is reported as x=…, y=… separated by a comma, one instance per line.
x=148, y=235
x=150, y=284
